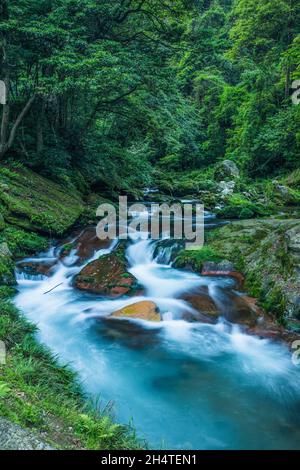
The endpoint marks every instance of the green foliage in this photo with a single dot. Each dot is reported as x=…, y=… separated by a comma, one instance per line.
x=33, y=202
x=238, y=207
x=125, y=86
x=22, y=243
x=196, y=258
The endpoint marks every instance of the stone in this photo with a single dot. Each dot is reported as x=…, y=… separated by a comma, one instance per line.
x=226, y=188
x=13, y=437
x=144, y=310
x=226, y=169
x=35, y=269
x=224, y=266
x=107, y=275
x=207, y=310
x=286, y=194
x=240, y=310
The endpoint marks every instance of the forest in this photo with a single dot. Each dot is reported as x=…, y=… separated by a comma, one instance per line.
x=113, y=95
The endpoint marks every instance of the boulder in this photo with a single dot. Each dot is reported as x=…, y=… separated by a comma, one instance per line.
x=145, y=310
x=292, y=238
x=240, y=310
x=35, y=269
x=285, y=194
x=226, y=170
x=226, y=188
x=107, y=275
x=86, y=244
x=225, y=268
x=207, y=310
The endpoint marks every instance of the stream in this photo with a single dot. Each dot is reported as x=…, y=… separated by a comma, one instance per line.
x=183, y=385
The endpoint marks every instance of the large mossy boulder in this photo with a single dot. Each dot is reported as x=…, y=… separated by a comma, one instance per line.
x=107, y=275
x=144, y=310
x=33, y=202
x=267, y=251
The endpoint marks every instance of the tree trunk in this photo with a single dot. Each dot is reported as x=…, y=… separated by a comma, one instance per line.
x=39, y=128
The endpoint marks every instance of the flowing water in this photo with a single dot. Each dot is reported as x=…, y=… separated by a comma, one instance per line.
x=183, y=385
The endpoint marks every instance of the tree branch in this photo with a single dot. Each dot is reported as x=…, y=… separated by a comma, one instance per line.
x=107, y=102
x=18, y=121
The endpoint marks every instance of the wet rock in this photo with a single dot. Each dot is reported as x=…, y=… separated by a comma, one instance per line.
x=131, y=334
x=145, y=310
x=107, y=276
x=88, y=242
x=35, y=269
x=226, y=169
x=240, y=310
x=225, y=268
x=85, y=244
x=207, y=311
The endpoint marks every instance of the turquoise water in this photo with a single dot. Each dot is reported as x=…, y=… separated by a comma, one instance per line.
x=183, y=385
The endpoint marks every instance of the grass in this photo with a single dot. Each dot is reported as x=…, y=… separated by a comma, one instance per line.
x=38, y=393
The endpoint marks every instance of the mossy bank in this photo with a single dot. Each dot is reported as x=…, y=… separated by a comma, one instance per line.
x=267, y=252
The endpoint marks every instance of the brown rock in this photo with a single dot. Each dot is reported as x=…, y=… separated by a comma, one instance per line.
x=88, y=243
x=207, y=310
x=107, y=276
x=34, y=269
x=145, y=310
x=241, y=310
x=85, y=244
x=235, y=274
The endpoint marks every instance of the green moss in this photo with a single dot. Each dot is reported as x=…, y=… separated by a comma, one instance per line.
x=239, y=207
x=32, y=202
x=7, y=276
x=196, y=258
x=21, y=243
